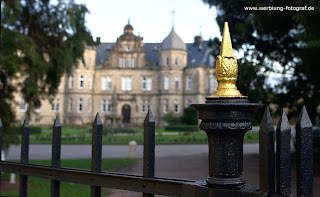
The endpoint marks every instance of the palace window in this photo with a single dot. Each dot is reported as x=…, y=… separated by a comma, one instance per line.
x=128, y=48
x=109, y=106
x=176, y=106
x=126, y=83
x=122, y=62
x=70, y=104
x=177, y=83
x=80, y=105
x=132, y=63
x=103, y=105
x=81, y=82
x=106, y=105
x=106, y=83
x=70, y=82
x=176, y=62
x=166, y=83
x=167, y=62
x=145, y=106
x=146, y=84
x=165, y=106
x=189, y=83
x=55, y=105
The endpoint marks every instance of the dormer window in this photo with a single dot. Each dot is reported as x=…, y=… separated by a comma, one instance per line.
x=128, y=48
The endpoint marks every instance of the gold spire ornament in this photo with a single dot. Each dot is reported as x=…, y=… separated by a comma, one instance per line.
x=226, y=69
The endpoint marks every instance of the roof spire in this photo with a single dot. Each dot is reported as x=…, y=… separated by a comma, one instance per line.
x=172, y=19
x=200, y=34
x=129, y=20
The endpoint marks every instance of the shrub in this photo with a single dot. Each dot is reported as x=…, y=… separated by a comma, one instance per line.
x=182, y=128
x=33, y=130
x=171, y=119
x=189, y=116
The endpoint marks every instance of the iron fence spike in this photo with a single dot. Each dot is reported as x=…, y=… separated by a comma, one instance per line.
x=97, y=120
x=284, y=122
x=57, y=122
x=26, y=122
x=283, y=156
x=151, y=118
x=304, y=144
x=304, y=120
x=0, y=123
x=267, y=154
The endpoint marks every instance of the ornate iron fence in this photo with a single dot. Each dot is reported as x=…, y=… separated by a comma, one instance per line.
x=225, y=162
x=226, y=117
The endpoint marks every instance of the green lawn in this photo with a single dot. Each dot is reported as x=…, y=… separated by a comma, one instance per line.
x=182, y=138
x=39, y=187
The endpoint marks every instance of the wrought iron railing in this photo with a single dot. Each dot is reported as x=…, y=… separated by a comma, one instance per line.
x=271, y=170
x=226, y=117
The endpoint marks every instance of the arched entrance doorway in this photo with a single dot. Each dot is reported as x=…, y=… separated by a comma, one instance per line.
x=126, y=113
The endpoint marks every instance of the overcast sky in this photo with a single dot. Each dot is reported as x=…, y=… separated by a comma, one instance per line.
x=151, y=18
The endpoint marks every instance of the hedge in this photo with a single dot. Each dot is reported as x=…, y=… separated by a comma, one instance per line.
x=182, y=128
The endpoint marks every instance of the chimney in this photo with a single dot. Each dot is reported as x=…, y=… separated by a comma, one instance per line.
x=98, y=40
x=198, y=41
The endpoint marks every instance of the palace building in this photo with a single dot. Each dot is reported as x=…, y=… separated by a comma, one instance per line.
x=122, y=80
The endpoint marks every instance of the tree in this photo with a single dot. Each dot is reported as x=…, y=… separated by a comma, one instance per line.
x=40, y=41
x=285, y=41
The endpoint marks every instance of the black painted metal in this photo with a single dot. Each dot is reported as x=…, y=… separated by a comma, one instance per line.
x=304, y=155
x=226, y=121
x=23, y=188
x=161, y=186
x=267, y=154
x=96, y=152
x=283, y=157
x=56, y=155
x=1, y=127
x=149, y=148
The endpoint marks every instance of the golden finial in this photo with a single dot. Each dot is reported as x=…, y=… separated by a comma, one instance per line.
x=226, y=68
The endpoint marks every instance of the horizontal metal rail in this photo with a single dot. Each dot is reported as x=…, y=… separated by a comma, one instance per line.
x=161, y=186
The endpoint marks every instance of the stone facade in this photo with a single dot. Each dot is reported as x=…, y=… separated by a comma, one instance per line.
x=166, y=77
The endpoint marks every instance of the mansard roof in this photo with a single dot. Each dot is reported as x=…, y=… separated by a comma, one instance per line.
x=198, y=55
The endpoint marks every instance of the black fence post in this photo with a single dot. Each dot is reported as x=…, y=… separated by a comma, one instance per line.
x=283, y=156
x=267, y=154
x=96, y=152
x=226, y=120
x=304, y=155
x=56, y=155
x=23, y=188
x=149, y=148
